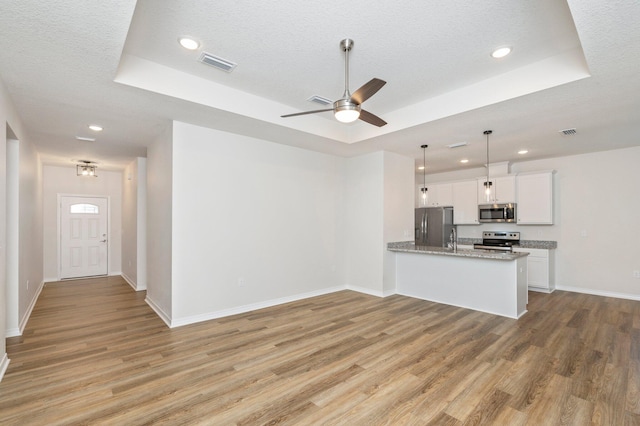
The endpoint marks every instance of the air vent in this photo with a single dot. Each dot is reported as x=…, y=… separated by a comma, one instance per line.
x=320, y=100
x=458, y=145
x=214, y=61
x=568, y=132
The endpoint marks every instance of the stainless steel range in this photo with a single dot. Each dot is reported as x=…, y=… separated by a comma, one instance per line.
x=497, y=240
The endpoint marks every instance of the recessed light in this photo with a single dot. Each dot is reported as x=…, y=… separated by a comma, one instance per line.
x=501, y=52
x=464, y=161
x=85, y=139
x=421, y=168
x=95, y=127
x=522, y=151
x=188, y=43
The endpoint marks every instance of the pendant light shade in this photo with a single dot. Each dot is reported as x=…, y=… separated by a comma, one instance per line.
x=424, y=174
x=487, y=183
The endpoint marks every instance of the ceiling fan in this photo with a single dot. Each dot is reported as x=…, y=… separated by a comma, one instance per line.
x=348, y=107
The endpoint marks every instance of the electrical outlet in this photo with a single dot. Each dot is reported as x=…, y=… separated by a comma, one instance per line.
x=636, y=274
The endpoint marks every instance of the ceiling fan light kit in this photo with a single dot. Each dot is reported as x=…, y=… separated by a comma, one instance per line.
x=348, y=108
x=346, y=111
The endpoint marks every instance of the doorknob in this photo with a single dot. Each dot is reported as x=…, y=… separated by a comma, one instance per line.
x=103, y=241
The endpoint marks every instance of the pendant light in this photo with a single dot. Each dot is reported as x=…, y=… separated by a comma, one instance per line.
x=487, y=183
x=424, y=174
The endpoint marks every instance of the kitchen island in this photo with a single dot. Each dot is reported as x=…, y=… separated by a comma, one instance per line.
x=487, y=281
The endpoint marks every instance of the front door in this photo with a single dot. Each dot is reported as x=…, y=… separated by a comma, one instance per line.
x=83, y=236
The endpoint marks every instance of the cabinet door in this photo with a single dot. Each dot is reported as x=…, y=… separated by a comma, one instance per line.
x=538, y=272
x=538, y=269
x=444, y=194
x=438, y=195
x=535, y=199
x=465, y=203
x=503, y=190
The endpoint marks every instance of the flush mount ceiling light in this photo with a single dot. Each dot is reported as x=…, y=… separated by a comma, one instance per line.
x=95, y=127
x=188, y=43
x=85, y=139
x=501, y=52
x=523, y=151
x=464, y=161
x=86, y=168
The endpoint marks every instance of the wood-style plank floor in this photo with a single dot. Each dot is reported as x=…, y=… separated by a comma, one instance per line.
x=94, y=353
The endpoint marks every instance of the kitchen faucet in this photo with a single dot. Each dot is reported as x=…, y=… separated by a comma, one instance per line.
x=453, y=240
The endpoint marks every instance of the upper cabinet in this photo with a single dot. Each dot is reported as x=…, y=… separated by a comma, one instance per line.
x=438, y=195
x=465, y=203
x=503, y=190
x=535, y=198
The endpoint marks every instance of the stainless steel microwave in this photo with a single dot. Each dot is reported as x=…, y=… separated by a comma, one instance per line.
x=503, y=213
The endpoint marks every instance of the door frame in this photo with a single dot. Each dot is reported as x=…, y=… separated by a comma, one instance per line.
x=59, y=230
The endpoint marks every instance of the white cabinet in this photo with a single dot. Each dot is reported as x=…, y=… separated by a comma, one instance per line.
x=438, y=195
x=465, y=203
x=540, y=269
x=535, y=198
x=503, y=190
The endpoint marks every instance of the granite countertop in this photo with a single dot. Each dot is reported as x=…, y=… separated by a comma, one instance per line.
x=533, y=244
x=410, y=247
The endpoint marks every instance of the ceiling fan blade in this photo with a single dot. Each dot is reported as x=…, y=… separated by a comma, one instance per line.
x=367, y=90
x=371, y=119
x=306, y=112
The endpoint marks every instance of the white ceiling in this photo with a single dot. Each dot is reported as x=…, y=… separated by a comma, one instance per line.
x=69, y=63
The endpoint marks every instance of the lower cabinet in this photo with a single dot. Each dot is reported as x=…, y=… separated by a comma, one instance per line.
x=540, y=269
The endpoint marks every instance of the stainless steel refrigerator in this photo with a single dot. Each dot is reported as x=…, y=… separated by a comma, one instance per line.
x=433, y=226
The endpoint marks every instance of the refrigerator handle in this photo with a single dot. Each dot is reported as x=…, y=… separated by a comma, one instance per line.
x=426, y=226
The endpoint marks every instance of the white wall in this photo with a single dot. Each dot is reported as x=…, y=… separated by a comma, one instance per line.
x=134, y=245
x=254, y=223
x=159, y=230
x=24, y=233
x=63, y=180
x=27, y=169
x=378, y=210
x=6, y=113
x=398, y=211
x=596, y=193
x=364, y=229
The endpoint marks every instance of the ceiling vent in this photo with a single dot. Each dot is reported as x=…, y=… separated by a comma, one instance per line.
x=568, y=132
x=215, y=61
x=458, y=145
x=320, y=100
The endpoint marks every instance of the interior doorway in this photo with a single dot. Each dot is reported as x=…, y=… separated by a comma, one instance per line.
x=84, y=242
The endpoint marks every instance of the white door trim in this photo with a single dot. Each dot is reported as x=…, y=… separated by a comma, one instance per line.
x=59, y=230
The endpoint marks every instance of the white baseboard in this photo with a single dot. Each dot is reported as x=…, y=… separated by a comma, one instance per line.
x=27, y=315
x=4, y=364
x=251, y=307
x=163, y=315
x=370, y=292
x=13, y=332
x=131, y=282
x=598, y=292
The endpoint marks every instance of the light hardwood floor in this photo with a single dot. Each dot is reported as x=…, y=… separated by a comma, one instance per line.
x=94, y=353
